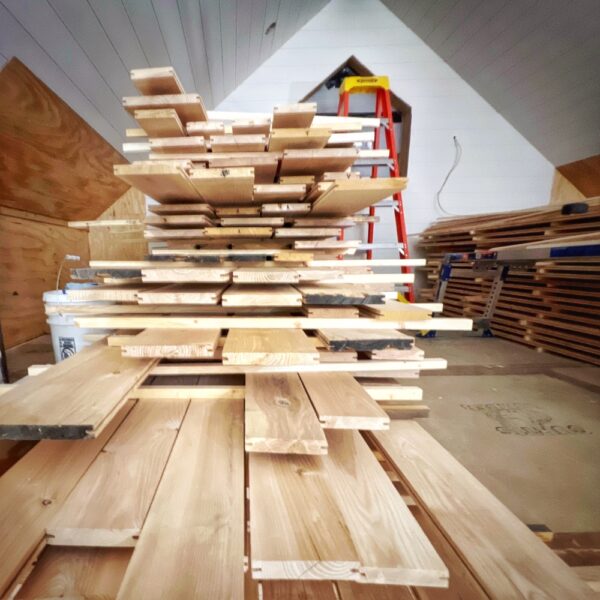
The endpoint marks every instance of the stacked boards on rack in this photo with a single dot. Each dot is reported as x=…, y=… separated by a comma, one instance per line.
x=228, y=412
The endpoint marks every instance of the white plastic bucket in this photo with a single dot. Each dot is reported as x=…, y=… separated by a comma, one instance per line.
x=67, y=337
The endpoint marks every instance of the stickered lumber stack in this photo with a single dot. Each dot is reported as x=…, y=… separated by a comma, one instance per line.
x=239, y=466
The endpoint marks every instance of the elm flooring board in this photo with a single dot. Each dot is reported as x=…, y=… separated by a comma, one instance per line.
x=222, y=186
x=191, y=208
x=173, y=343
x=317, y=162
x=108, y=505
x=364, y=340
x=342, y=403
x=279, y=417
x=265, y=275
x=34, y=489
x=390, y=544
x=73, y=399
x=506, y=557
x=154, y=81
x=192, y=543
x=187, y=274
x=274, y=295
x=182, y=293
x=76, y=573
x=156, y=123
x=189, y=107
x=284, y=347
x=293, y=116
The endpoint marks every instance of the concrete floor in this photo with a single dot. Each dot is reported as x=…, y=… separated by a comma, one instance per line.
x=526, y=424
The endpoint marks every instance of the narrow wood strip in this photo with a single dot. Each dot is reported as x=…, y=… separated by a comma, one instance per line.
x=279, y=417
x=192, y=543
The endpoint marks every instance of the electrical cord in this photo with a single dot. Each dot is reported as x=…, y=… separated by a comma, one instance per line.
x=457, y=157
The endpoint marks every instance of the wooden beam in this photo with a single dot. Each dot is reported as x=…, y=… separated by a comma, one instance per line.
x=198, y=511
x=279, y=416
x=109, y=504
x=74, y=399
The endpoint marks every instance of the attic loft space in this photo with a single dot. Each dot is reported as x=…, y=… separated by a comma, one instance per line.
x=326, y=95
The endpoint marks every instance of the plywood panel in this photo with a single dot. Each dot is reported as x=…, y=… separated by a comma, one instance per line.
x=584, y=175
x=30, y=255
x=54, y=163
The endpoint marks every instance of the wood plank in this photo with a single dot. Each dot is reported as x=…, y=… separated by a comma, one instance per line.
x=238, y=232
x=175, y=343
x=277, y=191
x=169, y=145
x=248, y=126
x=237, y=211
x=290, y=495
x=361, y=340
x=224, y=186
x=263, y=347
x=187, y=274
x=156, y=81
x=182, y=293
x=342, y=403
x=169, y=221
x=109, y=504
x=73, y=399
x=113, y=293
x=158, y=123
x=287, y=116
x=34, y=489
x=76, y=573
x=286, y=209
x=265, y=275
x=299, y=139
x=163, y=181
x=189, y=107
x=264, y=164
x=507, y=559
x=396, y=311
x=251, y=221
x=261, y=295
x=238, y=143
x=198, y=511
x=205, y=128
x=307, y=232
x=279, y=417
x=390, y=545
x=316, y=162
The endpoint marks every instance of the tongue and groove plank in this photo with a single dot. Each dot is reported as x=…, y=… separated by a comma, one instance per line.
x=342, y=403
x=174, y=343
x=189, y=107
x=156, y=80
x=279, y=417
x=266, y=347
x=109, y=504
x=192, y=543
x=364, y=340
x=507, y=559
x=182, y=293
x=157, y=123
x=73, y=399
x=34, y=489
x=293, y=116
x=242, y=294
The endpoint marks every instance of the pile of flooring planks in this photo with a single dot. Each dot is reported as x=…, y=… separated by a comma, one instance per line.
x=553, y=303
x=245, y=431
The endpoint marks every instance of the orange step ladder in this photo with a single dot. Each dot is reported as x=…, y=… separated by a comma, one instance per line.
x=380, y=86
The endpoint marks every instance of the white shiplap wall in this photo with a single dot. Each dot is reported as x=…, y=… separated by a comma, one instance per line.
x=499, y=170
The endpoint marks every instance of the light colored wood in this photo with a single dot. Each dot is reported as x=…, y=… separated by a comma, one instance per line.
x=237, y=211
x=108, y=506
x=393, y=310
x=251, y=221
x=163, y=181
x=563, y=191
x=238, y=232
x=395, y=393
x=261, y=295
x=238, y=143
x=189, y=107
x=174, y=234
x=76, y=573
x=34, y=489
x=277, y=191
x=156, y=80
x=307, y=232
x=205, y=128
x=262, y=347
x=182, y=293
x=300, y=139
x=187, y=274
x=342, y=403
x=198, y=511
x=175, y=343
x=73, y=399
x=265, y=275
x=307, y=180
x=325, y=312
x=279, y=417
x=169, y=221
x=116, y=293
x=373, y=262
x=264, y=164
x=134, y=132
x=316, y=162
x=224, y=186
x=390, y=545
x=157, y=123
x=286, y=116
x=251, y=126
x=347, y=197
x=507, y=559
x=225, y=392
x=168, y=145
x=286, y=209
x=296, y=528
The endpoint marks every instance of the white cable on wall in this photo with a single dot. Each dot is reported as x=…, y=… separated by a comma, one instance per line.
x=457, y=157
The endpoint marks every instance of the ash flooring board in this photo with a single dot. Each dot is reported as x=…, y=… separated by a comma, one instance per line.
x=173, y=343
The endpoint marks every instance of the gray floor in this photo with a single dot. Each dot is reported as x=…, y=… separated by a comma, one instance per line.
x=526, y=424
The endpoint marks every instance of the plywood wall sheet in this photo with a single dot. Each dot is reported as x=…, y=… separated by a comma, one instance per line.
x=54, y=163
x=30, y=254
x=584, y=175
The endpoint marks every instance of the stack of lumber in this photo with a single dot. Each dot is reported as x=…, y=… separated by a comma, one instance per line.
x=240, y=434
x=552, y=304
